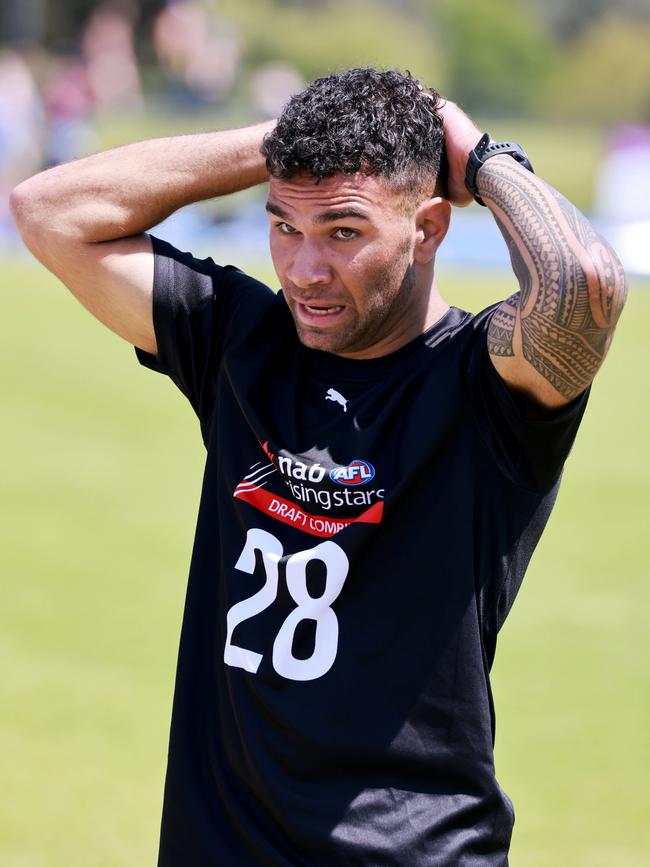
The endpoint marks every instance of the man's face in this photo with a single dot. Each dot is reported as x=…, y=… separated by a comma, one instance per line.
x=343, y=251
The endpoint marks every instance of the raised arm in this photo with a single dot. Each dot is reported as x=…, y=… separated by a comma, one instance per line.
x=549, y=339
x=84, y=220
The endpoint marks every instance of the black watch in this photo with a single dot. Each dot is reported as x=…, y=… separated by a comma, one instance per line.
x=485, y=149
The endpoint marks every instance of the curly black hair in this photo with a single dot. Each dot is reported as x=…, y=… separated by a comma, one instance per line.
x=376, y=122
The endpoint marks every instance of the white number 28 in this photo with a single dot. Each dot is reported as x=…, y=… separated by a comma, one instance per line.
x=307, y=607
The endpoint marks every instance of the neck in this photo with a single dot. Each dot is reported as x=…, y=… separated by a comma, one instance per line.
x=436, y=307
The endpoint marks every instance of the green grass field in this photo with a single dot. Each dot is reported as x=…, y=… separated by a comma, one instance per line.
x=101, y=472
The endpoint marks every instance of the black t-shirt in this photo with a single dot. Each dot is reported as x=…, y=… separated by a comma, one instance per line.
x=363, y=530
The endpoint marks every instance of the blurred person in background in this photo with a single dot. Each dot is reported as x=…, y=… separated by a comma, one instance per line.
x=271, y=86
x=623, y=194
x=22, y=131
x=198, y=51
x=380, y=465
x=109, y=53
x=69, y=108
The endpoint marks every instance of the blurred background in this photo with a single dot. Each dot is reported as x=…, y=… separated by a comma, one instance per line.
x=101, y=461
x=569, y=80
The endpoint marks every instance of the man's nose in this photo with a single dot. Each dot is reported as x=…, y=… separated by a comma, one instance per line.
x=309, y=266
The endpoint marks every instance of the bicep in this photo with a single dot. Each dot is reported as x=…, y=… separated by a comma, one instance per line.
x=549, y=340
x=113, y=280
x=545, y=361
x=537, y=374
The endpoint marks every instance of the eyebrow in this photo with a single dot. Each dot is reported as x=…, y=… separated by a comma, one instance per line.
x=342, y=214
x=276, y=210
x=327, y=217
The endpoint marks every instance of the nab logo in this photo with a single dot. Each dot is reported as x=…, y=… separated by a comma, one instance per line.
x=357, y=472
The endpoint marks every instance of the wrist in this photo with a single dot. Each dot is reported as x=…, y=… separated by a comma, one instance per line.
x=487, y=149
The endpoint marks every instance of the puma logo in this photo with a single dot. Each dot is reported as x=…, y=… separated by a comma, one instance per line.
x=337, y=397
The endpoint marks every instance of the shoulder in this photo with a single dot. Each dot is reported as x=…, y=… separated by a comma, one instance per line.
x=170, y=259
x=465, y=332
x=182, y=279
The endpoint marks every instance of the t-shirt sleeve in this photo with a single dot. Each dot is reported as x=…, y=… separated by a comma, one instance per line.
x=531, y=452
x=195, y=302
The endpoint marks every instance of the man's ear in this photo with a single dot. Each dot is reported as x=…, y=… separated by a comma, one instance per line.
x=431, y=224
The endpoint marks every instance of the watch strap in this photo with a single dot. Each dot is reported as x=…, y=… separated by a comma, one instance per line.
x=485, y=149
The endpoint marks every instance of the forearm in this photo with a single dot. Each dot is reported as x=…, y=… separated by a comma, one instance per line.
x=572, y=285
x=125, y=191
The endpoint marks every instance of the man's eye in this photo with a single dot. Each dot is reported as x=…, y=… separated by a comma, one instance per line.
x=286, y=229
x=344, y=234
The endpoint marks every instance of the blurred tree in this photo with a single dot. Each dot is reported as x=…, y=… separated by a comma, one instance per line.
x=568, y=19
x=22, y=23
x=605, y=74
x=57, y=26
x=333, y=34
x=497, y=54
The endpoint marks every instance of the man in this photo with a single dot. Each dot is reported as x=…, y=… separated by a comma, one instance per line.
x=380, y=466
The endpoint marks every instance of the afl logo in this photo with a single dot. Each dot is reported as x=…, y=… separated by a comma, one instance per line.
x=357, y=472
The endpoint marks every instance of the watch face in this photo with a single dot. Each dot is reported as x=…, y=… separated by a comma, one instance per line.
x=482, y=146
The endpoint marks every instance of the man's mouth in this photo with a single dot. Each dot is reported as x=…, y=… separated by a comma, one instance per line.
x=318, y=315
x=323, y=311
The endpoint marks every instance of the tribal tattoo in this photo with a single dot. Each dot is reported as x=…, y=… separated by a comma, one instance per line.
x=572, y=285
